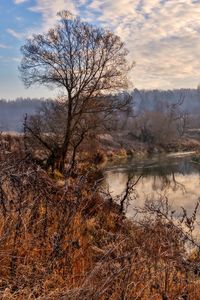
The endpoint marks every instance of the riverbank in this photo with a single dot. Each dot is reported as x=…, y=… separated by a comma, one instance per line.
x=118, y=147
x=108, y=148
x=69, y=241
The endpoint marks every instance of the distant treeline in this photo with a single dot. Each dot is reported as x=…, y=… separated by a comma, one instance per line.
x=152, y=100
x=12, y=112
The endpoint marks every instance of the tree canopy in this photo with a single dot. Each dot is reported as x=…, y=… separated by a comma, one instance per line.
x=88, y=64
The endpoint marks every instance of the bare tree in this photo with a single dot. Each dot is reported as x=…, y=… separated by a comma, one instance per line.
x=87, y=63
x=162, y=123
x=44, y=133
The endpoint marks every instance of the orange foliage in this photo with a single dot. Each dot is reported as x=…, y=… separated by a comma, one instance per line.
x=63, y=241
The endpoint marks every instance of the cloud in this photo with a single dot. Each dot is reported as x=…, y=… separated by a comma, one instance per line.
x=19, y=19
x=49, y=10
x=15, y=34
x=8, y=59
x=20, y=1
x=3, y=46
x=163, y=37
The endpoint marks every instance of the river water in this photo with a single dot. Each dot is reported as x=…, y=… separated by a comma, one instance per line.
x=174, y=177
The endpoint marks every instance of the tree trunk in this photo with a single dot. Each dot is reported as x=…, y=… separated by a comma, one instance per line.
x=65, y=146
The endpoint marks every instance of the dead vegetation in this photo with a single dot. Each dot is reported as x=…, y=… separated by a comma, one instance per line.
x=61, y=240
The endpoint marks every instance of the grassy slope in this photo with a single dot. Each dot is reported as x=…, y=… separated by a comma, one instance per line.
x=62, y=240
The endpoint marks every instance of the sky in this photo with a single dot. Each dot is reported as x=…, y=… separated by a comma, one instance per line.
x=162, y=36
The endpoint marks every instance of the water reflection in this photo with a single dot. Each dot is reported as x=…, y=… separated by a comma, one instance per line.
x=174, y=177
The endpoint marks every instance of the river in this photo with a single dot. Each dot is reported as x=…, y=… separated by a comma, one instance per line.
x=173, y=177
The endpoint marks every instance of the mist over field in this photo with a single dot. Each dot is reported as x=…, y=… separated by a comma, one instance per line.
x=13, y=111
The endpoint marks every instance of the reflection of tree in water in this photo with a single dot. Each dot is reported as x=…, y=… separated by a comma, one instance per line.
x=164, y=177
x=160, y=176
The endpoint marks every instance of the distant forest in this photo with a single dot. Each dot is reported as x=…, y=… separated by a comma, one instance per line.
x=12, y=112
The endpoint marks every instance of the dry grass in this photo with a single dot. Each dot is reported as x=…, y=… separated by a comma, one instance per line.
x=63, y=241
